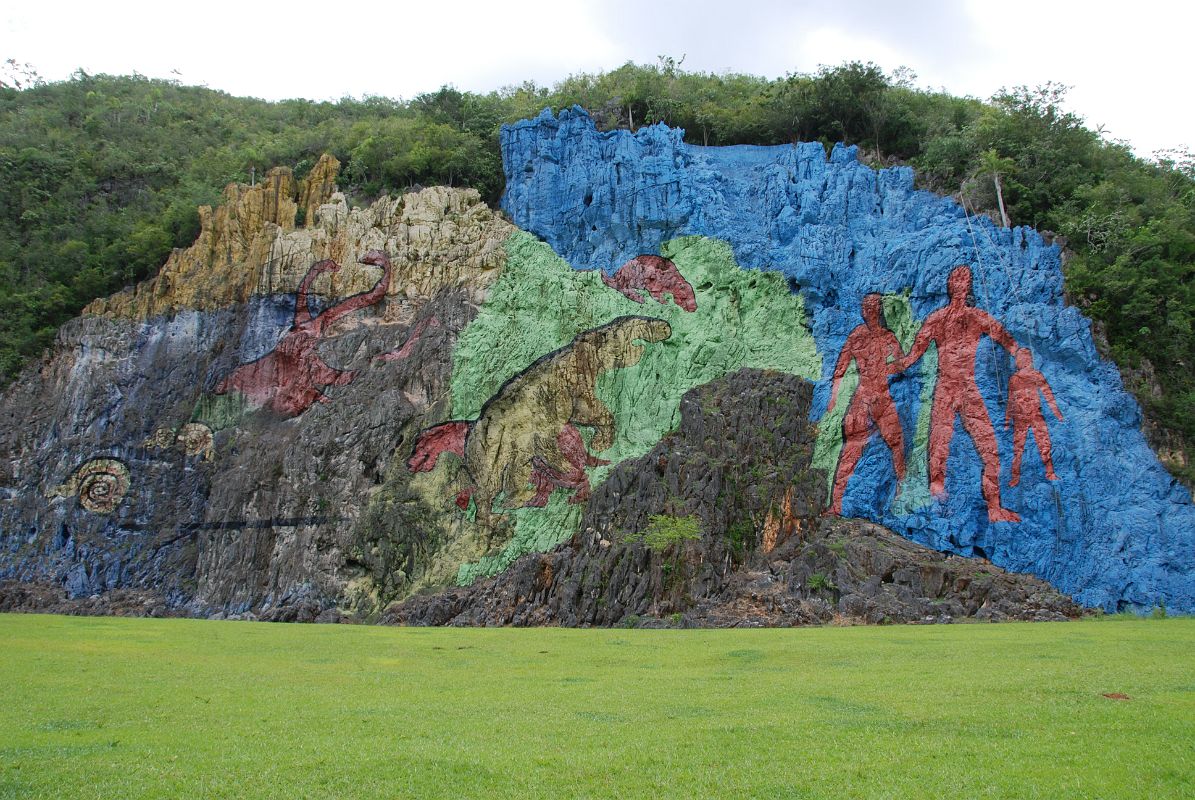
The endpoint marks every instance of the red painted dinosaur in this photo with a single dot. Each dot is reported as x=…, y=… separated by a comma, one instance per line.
x=657, y=276
x=289, y=379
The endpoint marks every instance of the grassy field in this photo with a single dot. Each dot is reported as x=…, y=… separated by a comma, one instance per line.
x=113, y=708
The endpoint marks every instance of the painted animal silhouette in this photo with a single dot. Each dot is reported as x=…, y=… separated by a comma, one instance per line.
x=526, y=441
x=290, y=378
x=657, y=276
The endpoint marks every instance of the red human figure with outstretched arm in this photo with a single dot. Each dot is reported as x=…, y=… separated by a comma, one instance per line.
x=957, y=329
x=288, y=378
x=1024, y=414
x=875, y=351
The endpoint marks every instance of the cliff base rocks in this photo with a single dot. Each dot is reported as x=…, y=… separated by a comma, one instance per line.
x=721, y=525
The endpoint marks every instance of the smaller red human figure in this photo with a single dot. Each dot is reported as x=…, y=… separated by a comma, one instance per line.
x=1024, y=414
x=287, y=380
x=875, y=352
x=657, y=276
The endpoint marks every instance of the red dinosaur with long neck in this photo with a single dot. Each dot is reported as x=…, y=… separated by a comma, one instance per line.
x=288, y=379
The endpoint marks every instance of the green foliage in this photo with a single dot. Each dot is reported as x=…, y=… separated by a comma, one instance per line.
x=100, y=177
x=819, y=581
x=663, y=531
x=741, y=534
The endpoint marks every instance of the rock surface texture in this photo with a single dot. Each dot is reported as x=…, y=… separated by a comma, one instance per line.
x=320, y=412
x=1090, y=508
x=137, y=465
x=720, y=525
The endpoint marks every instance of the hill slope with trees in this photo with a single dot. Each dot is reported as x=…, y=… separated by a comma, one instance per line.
x=100, y=177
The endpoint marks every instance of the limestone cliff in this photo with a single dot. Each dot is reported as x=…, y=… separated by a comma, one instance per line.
x=639, y=401
x=134, y=464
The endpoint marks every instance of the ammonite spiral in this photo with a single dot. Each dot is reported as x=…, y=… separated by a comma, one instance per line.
x=160, y=439
x=101, y=484
x=195, y=439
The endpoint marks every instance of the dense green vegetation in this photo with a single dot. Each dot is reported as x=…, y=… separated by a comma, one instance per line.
x=100, y=176
x=104, y=708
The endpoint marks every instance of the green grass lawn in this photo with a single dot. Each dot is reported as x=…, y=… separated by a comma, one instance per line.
x=108, y=708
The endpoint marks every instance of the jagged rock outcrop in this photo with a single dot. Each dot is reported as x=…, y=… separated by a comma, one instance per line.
x=721, y=525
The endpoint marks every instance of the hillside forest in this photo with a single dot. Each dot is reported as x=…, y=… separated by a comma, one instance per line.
x=100, y=177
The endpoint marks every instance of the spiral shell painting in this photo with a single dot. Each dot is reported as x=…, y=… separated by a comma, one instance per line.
x=195, y=439
x=100, y=484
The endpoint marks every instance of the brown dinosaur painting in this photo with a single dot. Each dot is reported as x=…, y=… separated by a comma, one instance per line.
x=526, y=441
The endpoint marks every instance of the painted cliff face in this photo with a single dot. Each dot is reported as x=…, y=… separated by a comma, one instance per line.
x=123, y=467
x=432, y=423
x=566, y=373
x=293, y=376
x=526, y=441
x=930, y=416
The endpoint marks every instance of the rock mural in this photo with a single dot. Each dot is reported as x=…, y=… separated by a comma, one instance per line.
x=657, y=386
x=291, y=377
x=195, y=503
x=525, y=442
x=100, y=485
x=655, y=275
x=1097, y=515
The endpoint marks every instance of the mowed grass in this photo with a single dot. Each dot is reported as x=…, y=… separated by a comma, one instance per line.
x=112, y=708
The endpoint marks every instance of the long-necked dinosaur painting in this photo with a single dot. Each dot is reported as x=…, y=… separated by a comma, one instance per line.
x=292, y=376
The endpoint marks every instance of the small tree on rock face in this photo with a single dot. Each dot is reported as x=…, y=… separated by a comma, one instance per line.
x=993, y=165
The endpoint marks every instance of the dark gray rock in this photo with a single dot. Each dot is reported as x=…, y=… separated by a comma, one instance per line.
x=721, y=525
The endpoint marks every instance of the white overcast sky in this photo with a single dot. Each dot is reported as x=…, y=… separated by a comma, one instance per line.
x=1128, y=62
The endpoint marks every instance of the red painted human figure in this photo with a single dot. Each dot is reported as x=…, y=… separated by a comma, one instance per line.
x=289, y=378
x=875, y=351
x=1024, y=414
x=957, y=329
